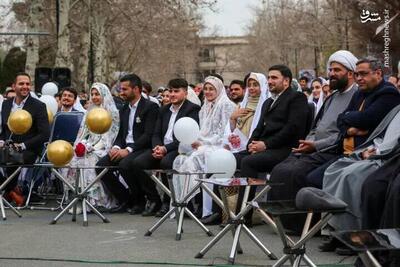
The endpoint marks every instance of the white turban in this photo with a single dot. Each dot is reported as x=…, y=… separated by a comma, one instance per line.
x=345, y=58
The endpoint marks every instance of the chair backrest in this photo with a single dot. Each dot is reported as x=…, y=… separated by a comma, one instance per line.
x=66, y=126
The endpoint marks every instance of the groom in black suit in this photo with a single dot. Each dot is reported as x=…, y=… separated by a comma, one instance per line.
x=137, y=121
x=30, y=143
x=164, y=143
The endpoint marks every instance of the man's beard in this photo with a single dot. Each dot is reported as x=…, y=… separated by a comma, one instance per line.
x=340, y=84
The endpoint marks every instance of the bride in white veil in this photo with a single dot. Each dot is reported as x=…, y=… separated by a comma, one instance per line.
x=96, y=146
x=214, y=116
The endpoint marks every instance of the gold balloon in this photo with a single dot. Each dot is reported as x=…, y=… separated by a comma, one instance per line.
x=60, y=152
x=50, y=116
x=98, y=120
x=19, y=121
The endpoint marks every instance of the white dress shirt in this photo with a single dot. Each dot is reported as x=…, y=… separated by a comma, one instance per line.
x=168, y=138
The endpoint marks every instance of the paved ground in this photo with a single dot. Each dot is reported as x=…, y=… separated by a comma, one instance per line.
x=123, y=240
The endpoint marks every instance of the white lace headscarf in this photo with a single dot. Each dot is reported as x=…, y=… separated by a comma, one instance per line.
x=109, y=105
x=215, y=115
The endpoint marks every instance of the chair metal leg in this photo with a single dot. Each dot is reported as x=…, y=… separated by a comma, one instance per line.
x=199, y=223
x=84, y=213
x=12, y=208
x=232, y=254
x=3, y=212
x=159, y=222
x=308, y=261
x=282, y=260
x=180, y=223
x=213, y=241
x=259, y=244
x=368, y=259
x=105, y=220
x=72, y=203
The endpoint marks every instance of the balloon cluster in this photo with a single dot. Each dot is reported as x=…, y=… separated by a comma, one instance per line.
x=220, y=161
x=49, y=90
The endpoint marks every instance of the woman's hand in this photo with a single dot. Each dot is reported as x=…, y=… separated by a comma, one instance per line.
x=240, y=112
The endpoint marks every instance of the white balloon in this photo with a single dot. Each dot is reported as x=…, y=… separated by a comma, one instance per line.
x=223, y=161
x=186, y=130
x=51, y=103
x=49, y=88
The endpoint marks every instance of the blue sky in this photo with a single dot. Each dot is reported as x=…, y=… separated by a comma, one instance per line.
x=231, y=17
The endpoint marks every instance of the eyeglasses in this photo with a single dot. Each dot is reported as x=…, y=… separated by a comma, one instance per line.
x=362, y=74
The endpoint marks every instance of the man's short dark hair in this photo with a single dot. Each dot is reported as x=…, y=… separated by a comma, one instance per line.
x=284, y=70
x=218, y=76
x=239, y=82
x=146, y=85
x=133, y=80
x=21, y=74
x=374, y=63
x=304, y=78
x=178, y=83
x=71, y=90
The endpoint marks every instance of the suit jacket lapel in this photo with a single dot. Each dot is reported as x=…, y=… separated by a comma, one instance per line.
x=276, y=103
x=165, y=122
x=268, y=104
x=125, y=120
x=181, y=110
x=138, y=112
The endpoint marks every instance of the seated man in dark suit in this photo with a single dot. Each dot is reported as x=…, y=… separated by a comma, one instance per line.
x=280, y=127
x=137, y=121
x=165, y=145
x=282, y=124
x=30, y=143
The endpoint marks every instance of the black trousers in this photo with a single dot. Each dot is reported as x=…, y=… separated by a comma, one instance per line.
x=293, y=173
x=111, y=181
x=29, y=158
x=252, y=164
x=142, y=181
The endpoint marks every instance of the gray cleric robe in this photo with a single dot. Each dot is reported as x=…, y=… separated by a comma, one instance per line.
x=345, y=177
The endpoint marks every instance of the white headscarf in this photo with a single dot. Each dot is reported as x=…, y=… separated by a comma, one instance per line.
x=109, y=105
x=215, y=115
x=78, y=106
x=192, y=97
x=262, y=81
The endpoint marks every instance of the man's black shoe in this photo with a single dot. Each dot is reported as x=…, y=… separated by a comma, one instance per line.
x=151, y=208
x=137, y=209
x=119, y=209
x=330, y=245
x=164, y=209
x=212, y=219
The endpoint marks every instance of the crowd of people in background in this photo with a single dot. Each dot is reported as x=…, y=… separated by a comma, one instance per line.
x=339, y=133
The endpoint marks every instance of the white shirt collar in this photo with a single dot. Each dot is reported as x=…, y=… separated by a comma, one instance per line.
x=134, y=105
x=172, y=109
x=22, y=102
